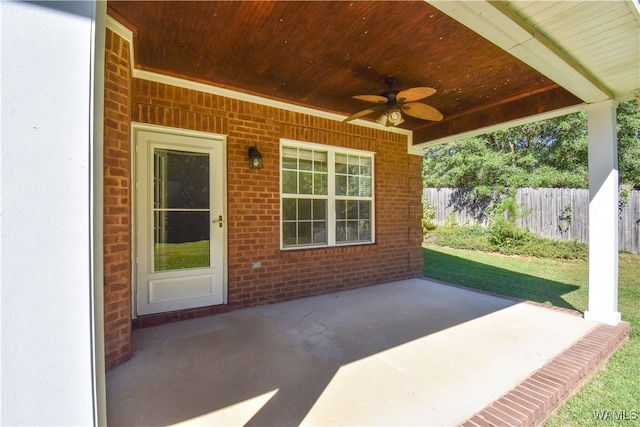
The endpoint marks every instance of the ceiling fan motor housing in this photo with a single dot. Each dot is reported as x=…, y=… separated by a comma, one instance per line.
x=391, y=96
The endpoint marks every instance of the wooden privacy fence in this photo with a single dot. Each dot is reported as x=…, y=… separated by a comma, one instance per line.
x=555, y=213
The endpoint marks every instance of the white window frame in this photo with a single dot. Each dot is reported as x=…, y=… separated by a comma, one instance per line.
x=331, y=197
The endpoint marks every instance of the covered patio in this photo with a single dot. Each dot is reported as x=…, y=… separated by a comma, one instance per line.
x=412, y=352
x=487, y=66
x=277, y=75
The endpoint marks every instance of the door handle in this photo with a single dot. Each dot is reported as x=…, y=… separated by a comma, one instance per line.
x=220, y=221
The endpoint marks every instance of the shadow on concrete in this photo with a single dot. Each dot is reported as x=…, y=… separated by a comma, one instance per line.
x=185, y=370
x=295, y=362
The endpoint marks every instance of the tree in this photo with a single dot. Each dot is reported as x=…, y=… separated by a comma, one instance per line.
x=549, y=153
x=629, y=144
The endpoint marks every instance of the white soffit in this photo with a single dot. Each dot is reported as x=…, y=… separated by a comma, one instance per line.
x=602, y=36
x=588, y=47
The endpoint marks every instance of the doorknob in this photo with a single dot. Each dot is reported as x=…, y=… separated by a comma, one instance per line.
x=220, y=221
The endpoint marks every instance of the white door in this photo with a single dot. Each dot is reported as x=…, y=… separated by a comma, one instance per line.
x=180, y=221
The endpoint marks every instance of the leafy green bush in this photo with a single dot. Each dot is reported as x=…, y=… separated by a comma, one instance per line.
x=428, y=217
x=474, y=237
x=503, y=228
x=451, y=220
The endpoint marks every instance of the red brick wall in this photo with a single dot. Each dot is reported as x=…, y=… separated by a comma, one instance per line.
x=252, y=199
x=117, y=201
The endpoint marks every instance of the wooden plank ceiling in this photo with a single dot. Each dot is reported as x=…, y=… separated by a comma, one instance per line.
x=320, y=53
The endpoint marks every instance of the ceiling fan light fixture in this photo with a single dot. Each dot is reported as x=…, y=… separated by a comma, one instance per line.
x=391, y=117
x=395, y=117
x=383, y=119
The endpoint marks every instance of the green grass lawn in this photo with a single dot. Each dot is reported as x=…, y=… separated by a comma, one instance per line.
x=172, y=256
x=562, y=283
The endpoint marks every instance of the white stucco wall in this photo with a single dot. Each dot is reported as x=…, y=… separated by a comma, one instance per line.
x=46, y=116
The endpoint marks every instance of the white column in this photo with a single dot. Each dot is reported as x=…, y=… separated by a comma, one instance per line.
x=603, y=214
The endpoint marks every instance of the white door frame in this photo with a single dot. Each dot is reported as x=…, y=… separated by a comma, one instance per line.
x=137, y=127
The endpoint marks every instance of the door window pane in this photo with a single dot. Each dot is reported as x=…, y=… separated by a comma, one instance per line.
x=181, y=210
x=181, y=179
x=181, y=240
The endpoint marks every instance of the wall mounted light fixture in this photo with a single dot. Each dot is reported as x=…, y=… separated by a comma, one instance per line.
x=255, y=158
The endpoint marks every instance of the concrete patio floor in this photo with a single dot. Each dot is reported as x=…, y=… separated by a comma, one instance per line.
x=413, y=352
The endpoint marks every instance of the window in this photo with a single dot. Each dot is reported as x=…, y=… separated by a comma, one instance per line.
x=326, y=196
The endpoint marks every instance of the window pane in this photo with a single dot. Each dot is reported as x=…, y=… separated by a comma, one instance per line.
x=305, y=161
x=289, y=209
x=320, y=184
x=319, y=209
x=289, y=233
x=341, y=209
x=365, y=187
x=365, y=166
x=289, y=158
x=364, y=233
x=354, y=186
x=304, y=233
x=319, y=232
x=290, y=182
x=341, y=231
x=341, y=185
x=352, y=231
x=341, y=163
x=354, y=165
x=364, y=210
x=320, y=161
x=304, y=209
x=352, y=209
x=306, y=183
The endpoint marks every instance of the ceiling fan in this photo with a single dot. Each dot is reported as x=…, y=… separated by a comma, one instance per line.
x=392, y=103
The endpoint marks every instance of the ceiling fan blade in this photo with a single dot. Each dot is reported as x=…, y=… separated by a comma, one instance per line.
x=376, y=99
x=361, y=114
x=414, y=94
x=422, y=111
